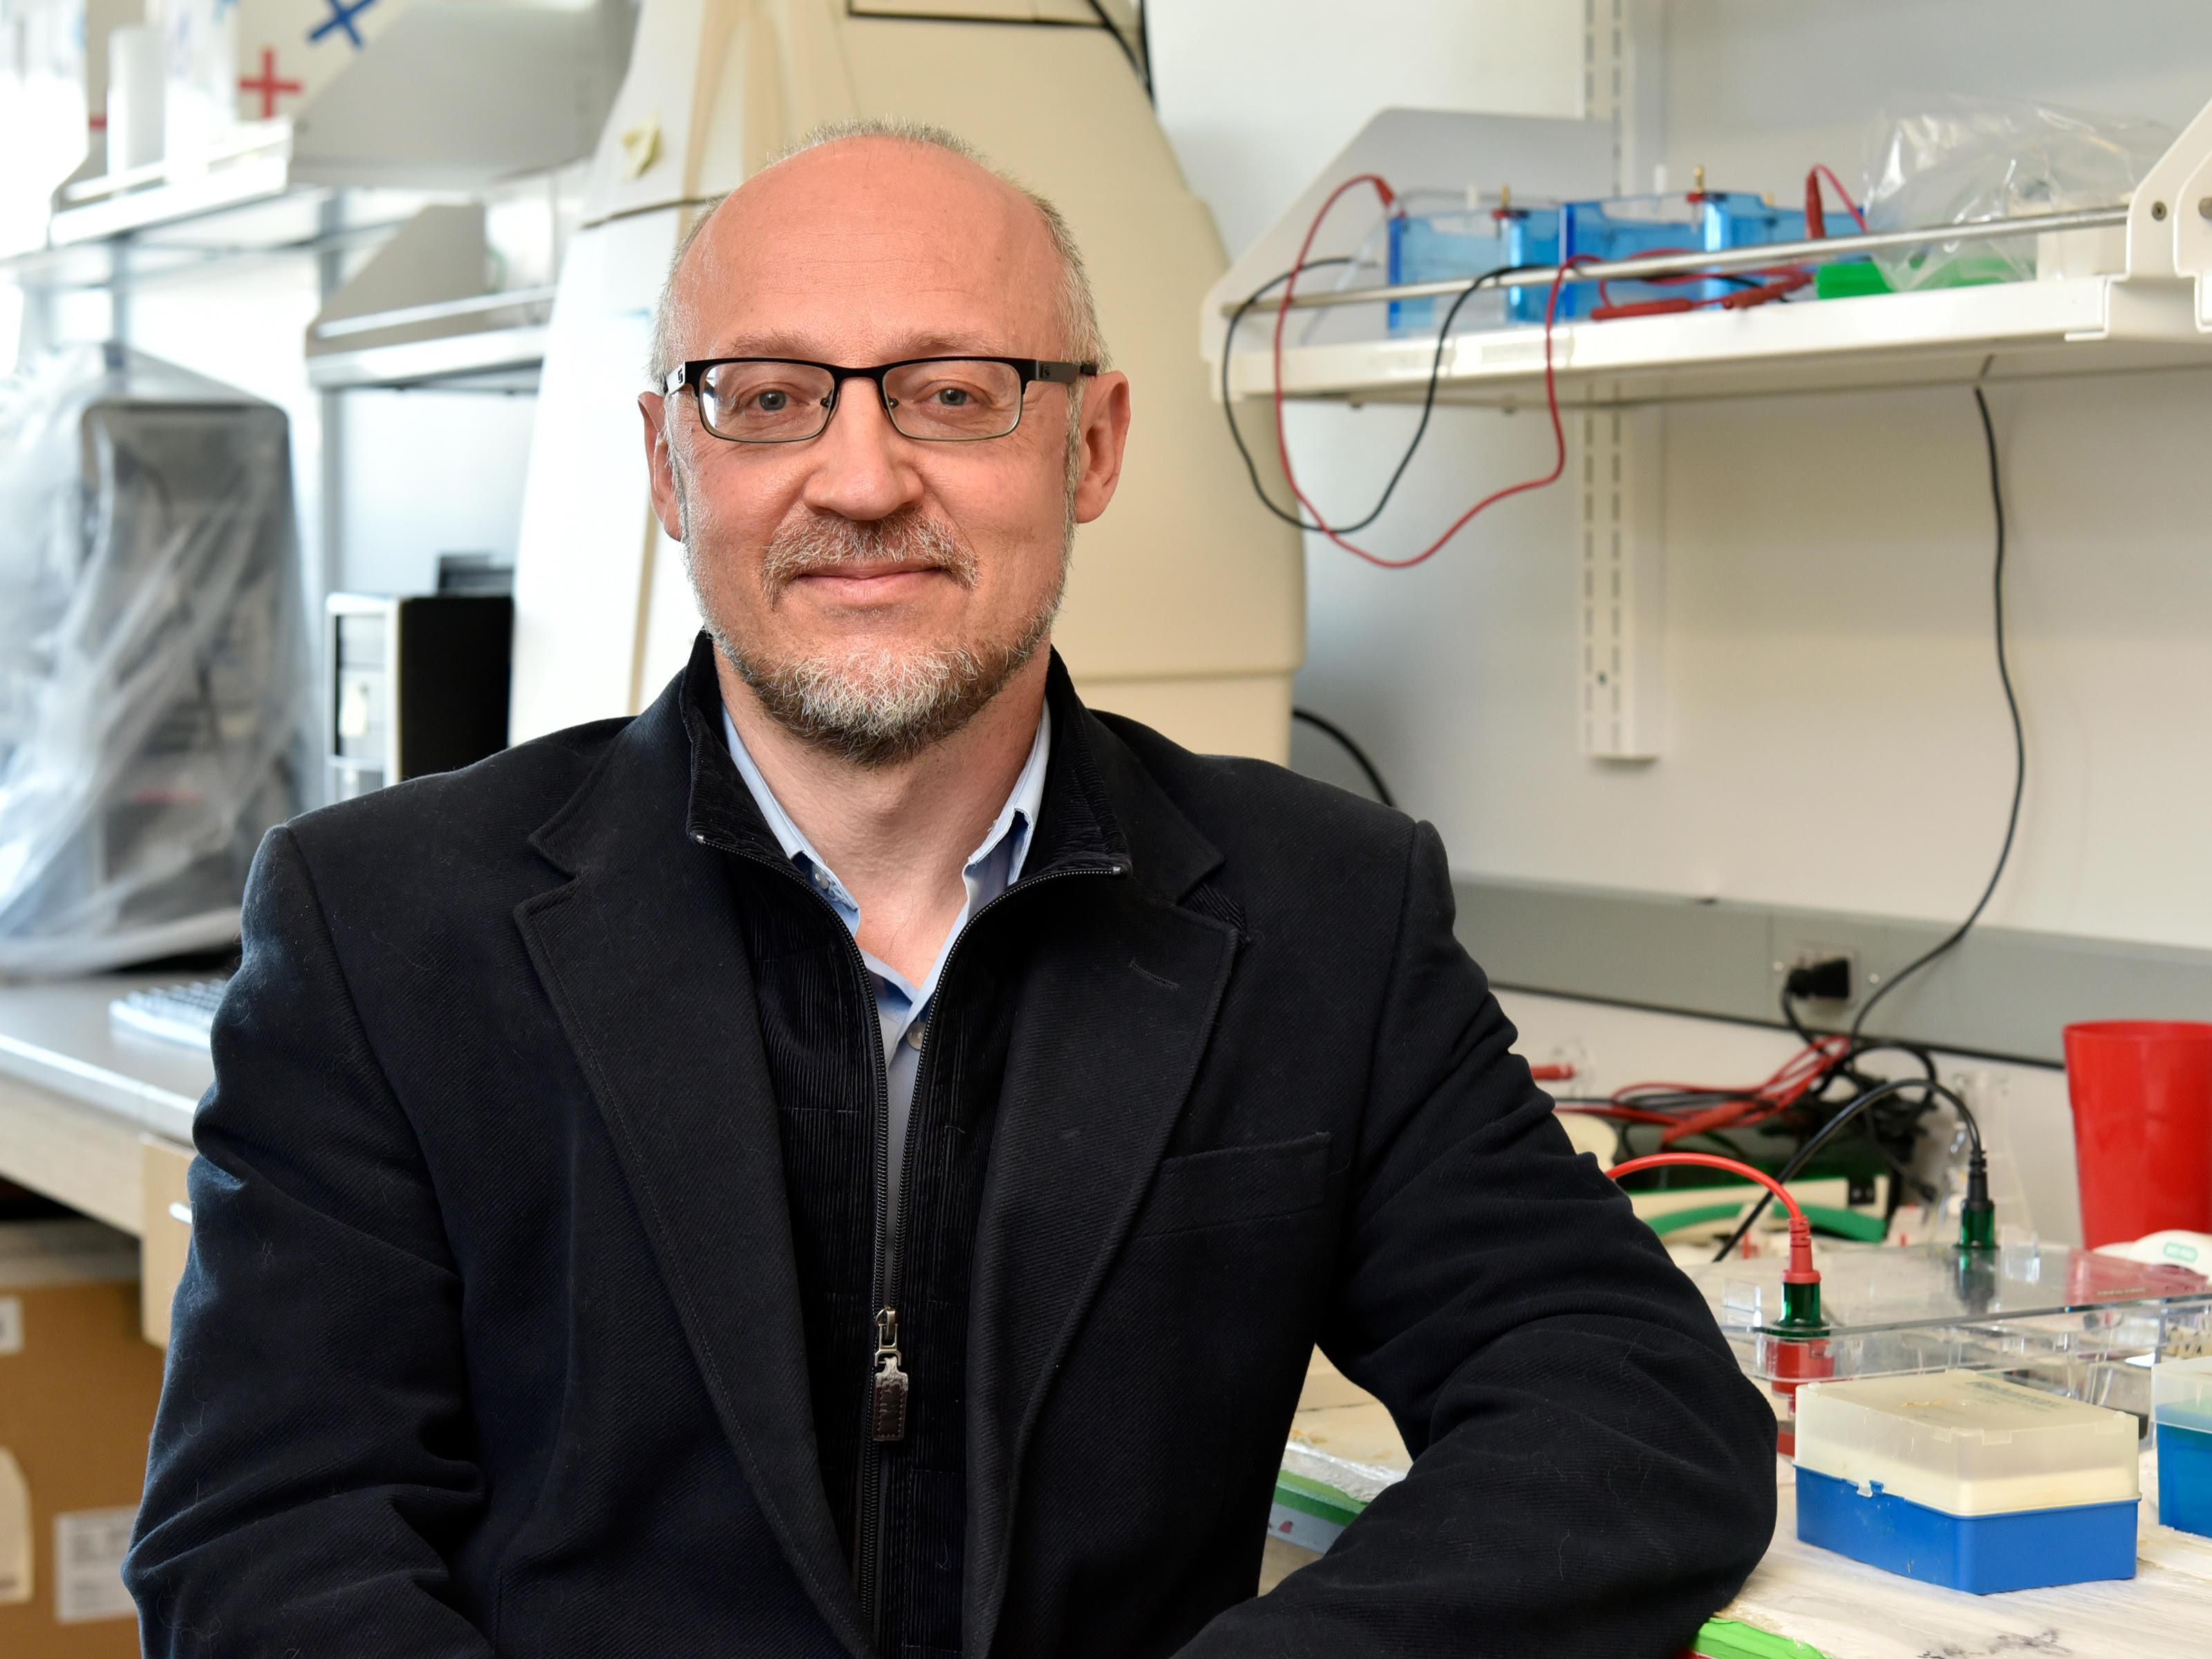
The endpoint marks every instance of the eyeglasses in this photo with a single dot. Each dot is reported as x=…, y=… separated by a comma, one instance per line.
x=789, y=400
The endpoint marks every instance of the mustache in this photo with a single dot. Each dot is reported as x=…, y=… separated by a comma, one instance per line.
x=823, y=541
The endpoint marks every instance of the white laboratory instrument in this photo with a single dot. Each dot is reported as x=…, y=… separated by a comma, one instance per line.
x=1185, y=606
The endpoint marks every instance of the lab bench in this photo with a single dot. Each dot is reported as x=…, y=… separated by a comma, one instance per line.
x=101, y=1119
x=1836, y=1607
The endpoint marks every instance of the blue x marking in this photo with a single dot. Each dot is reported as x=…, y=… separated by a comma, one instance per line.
x=341, y=17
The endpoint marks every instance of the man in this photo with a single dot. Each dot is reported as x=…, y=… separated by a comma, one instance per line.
x=856, y=1158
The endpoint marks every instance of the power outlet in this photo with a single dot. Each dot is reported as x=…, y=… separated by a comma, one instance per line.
x=1808, y=956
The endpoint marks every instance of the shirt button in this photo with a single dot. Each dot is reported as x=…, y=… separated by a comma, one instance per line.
x=915, y=1033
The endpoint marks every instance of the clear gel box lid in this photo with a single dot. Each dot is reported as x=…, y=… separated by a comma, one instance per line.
x=2056, y=1311
x=1967, y=1443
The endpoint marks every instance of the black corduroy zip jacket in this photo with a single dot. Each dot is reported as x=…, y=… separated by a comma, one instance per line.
x=873, y=1283
x=536, y=1254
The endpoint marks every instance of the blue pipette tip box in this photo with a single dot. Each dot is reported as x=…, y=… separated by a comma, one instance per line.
x=1967, y=1480
x=1981, y=1553
x=2181, y=1414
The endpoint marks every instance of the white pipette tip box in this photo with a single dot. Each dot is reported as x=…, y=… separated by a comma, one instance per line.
x=1966, y=1481
x=2181, y=1414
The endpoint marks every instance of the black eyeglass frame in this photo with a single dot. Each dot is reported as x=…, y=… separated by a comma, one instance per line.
x=1051, y=371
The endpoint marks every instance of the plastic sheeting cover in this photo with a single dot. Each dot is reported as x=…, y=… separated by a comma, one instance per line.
x=1965, y=158
x=152, y=667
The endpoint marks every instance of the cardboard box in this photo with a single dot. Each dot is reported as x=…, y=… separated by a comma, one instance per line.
x=78, y=1385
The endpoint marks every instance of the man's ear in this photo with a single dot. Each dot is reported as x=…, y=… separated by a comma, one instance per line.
x=661, y=461
x=1105, y=435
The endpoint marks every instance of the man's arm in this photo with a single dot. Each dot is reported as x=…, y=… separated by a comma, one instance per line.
x=312, y=1458
x=1592, y=1473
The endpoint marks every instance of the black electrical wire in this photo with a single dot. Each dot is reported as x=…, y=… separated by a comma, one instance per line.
x=1846, y=1065
x=1804, y=1033
x=1358, y=755
x=1881, y=1129
x=2019, y=738
x=1834, y=1127
x=1857, y=1047
x=1428, y=397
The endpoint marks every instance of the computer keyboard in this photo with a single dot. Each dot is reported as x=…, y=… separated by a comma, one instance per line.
x=176, y=1013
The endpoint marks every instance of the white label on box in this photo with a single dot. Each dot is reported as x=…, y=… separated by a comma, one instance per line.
x=89, y=1549
x=14, y=1532
x=11, y=1324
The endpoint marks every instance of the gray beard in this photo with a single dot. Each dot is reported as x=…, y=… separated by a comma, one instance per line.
x=874, y=708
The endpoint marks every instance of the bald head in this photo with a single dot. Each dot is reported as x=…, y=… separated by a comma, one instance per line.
x=873, y=191
x=871, y=590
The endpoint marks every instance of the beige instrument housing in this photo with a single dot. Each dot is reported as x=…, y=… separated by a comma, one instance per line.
x=1185, y=607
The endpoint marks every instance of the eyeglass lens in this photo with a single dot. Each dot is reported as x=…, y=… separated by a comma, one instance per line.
x=758, y=401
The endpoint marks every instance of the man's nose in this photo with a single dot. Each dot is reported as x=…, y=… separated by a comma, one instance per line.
x=863, y=468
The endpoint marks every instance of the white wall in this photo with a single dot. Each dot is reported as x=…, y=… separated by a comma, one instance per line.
x=1837, y=736
x=1256, y=96
x=426, y=473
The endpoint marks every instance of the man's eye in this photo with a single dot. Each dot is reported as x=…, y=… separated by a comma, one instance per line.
x=771, y=401
x=952, y=397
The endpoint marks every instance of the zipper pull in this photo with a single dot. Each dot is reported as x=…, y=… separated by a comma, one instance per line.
x=887, y=1415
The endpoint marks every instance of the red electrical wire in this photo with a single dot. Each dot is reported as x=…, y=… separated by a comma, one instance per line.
x=1711, y=1161
x=1282, y=440
x=1815, y=223
x=1789, y=1083
x=1801, y=1270
x=1782, y=281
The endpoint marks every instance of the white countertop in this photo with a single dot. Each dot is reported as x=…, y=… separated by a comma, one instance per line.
x=57, y=1036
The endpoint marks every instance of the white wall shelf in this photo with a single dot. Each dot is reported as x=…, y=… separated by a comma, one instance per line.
x=501, y=359
x=2087, y=324
x=457, y=96
x=253, y=169
x=2149, y=309
x=418, y=313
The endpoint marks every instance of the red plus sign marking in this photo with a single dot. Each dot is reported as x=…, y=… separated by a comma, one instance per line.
x=268, y=85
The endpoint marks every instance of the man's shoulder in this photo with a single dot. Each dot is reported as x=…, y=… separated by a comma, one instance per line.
x=1268, y=823
x=474, y=817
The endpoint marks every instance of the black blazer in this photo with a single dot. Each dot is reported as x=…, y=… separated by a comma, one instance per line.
x=489, y=1342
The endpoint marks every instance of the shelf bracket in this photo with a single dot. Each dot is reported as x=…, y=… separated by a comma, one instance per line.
x=1623, y=83
x=1619, y=472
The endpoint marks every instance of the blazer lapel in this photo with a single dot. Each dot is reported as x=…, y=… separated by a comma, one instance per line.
x=641, y=956
x=1116, y=1012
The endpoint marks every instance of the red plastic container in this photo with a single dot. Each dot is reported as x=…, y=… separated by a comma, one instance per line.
x=2142, y=1090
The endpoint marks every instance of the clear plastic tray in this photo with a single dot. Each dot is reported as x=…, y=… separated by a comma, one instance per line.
x=2064, y=1321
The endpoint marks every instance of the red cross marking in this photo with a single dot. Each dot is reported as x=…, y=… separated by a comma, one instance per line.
x=268, y=85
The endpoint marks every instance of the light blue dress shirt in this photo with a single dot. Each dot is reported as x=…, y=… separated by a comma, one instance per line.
x=903, y=1005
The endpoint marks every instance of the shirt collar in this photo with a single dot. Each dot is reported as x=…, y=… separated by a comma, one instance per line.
x=1013, y=827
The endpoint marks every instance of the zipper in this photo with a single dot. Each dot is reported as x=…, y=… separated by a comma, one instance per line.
x=888, y=1381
